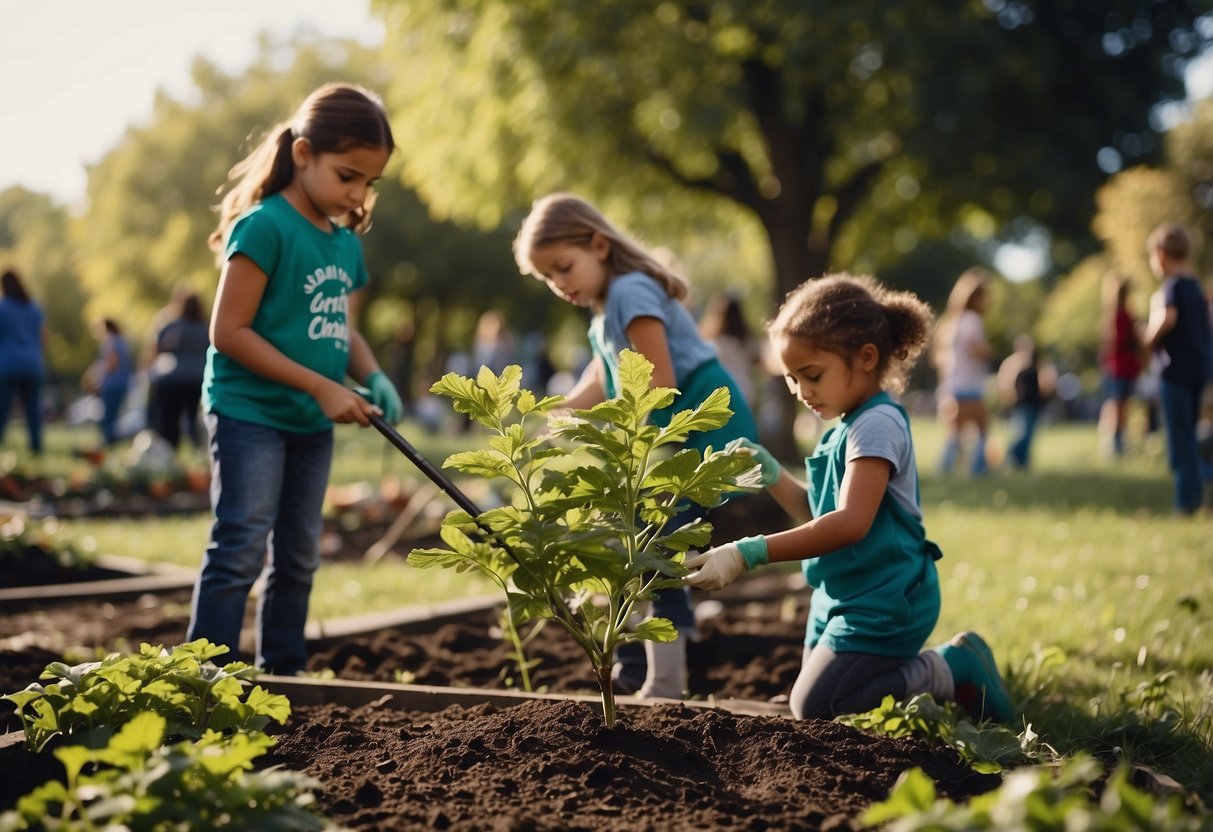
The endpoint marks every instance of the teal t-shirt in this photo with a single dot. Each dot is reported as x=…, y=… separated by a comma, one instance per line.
x=304, y=313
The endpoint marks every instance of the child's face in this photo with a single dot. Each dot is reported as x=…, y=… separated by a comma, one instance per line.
x=1157, y=264
x=824, y=381
x=576, y=273
x=337, y=183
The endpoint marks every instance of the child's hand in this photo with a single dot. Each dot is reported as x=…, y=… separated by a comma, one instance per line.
x=721, y=566
x=770, y=466
x=343, y=405
x=383, y=393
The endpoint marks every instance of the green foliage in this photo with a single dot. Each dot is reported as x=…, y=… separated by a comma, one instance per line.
x=87, y=703
x=136, y=782
x=988, y=748
x=835, y=125
x=1041, y=798
x=21, y=538
x=582, y=543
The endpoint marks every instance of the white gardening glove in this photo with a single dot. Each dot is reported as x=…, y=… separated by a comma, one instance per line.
x=771, y=469
x=721, y=566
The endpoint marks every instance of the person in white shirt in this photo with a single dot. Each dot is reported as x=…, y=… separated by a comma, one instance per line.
x=962, y=357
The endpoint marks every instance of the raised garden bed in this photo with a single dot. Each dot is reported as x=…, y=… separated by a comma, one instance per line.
x=409, y=759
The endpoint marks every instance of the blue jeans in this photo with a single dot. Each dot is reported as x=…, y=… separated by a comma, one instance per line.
x=1023, y=428
x=1180, y=409
x=29, y=388
x=267, y=490
x=112, y=393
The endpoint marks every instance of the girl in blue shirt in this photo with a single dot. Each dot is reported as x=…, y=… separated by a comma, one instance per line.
x=636, y=303
x=846, y=343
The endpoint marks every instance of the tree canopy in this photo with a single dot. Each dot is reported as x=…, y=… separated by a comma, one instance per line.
x=851, y=131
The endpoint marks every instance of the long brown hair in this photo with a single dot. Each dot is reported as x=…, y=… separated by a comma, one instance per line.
x=565, y=218
x=969, y=287
x=333, y=119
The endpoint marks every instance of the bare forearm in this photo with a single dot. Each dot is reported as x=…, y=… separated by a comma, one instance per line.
x=257, y=355
x=819, y=536
x=792, y=497
x=362, y=360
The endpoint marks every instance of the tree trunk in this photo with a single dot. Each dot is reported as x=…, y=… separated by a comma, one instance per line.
x=795, y=262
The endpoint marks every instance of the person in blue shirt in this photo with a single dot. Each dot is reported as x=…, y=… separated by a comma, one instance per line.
x=110, y=376
x=636, y=303
x=1177, y=334
x=282, y=343
x=846, y=344
x=22, y=336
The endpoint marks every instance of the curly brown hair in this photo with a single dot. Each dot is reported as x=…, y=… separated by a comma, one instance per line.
x=841, y=312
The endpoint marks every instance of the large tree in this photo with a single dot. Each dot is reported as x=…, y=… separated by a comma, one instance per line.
x=150, y=202
x=849, y=130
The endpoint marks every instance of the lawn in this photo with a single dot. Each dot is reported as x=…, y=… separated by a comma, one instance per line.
x=1097, y=600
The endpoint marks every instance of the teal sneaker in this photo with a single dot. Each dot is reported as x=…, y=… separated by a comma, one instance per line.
x=979, y=686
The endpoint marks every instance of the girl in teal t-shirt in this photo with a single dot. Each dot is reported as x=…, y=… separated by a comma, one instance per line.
x=282, y=344
x=844, y=343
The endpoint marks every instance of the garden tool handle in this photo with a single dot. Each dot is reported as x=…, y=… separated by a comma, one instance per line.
x=441, y=480
x=428, y=468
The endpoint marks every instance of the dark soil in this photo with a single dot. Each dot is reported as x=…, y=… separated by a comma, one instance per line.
x=541, y=765
x=555, y=766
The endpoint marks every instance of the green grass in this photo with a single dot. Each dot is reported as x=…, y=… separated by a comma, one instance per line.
x=1097, y=601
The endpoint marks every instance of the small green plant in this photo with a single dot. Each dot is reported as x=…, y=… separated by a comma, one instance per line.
x=1040, y=798
x=86, y=703
x=584, y=544
x=518, y=644
x=136, y=782
x=988, y=748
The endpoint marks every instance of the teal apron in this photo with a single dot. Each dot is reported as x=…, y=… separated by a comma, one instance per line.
x=692, y=391
x=880, y=595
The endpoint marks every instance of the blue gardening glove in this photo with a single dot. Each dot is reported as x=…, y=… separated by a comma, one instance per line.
x=721, y=566
x=382, y=394
x=770, y=466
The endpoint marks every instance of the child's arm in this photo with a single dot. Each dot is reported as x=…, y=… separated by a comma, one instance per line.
x=863, y=487
x=1162, y=320
x=647, y=335
x=792, y=496
x=241, y=286
x=589, y=390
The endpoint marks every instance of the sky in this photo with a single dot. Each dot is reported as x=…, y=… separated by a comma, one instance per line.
x=74, y=74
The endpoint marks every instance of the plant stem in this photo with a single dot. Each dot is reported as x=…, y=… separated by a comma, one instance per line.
x=607, y=686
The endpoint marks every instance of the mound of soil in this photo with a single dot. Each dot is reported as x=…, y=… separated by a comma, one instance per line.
x=555, y=766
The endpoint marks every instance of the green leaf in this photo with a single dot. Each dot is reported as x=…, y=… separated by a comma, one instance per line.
x=488, y=464
x=655, y=629
x=913, y=793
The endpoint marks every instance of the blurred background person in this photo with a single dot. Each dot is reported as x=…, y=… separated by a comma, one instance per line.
x=1024, y=385
x=1120, y=358
x=22, y=338
x=110, y=376
x=962, y=356
x=176, y=370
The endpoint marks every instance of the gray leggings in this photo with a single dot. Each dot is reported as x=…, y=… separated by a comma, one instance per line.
x=832, y=683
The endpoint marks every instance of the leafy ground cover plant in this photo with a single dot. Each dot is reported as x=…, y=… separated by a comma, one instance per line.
x=85, y=704
x=583, y=540
x=137, y=782
x=988, y=748
x=1049, y=798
